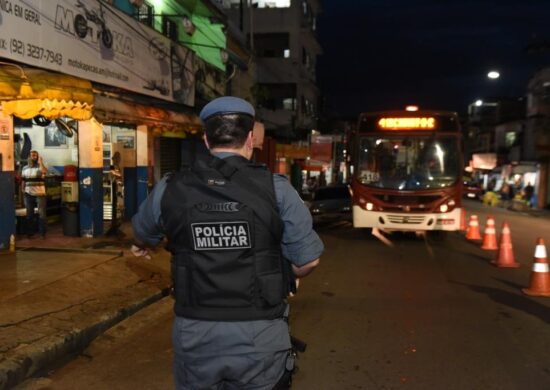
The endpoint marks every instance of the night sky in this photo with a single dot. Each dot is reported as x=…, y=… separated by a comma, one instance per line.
x=385, y=54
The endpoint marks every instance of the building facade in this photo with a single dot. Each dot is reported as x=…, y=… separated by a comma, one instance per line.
x=87, y=81
x=537, y=138
x=282, y=36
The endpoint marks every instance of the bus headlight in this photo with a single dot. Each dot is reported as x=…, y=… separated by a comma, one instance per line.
x=443, y=208
x=370, y=206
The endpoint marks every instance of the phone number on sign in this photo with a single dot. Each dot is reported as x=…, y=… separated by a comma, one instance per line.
x=36, y=52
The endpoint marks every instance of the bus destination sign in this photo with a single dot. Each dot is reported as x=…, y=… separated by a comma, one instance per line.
x=407, y=123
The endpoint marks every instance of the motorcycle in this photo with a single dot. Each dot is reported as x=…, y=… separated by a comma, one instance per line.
x=81, y=24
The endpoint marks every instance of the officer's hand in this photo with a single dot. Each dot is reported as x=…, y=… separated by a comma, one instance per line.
x=140, y=252
x=297, y=282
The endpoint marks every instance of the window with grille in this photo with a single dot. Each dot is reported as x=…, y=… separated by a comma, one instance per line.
x=169, y=28
x=145, y=14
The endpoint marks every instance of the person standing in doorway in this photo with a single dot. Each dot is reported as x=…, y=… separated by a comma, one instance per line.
x=237, y=233
x=34, y=190
x=528, y=192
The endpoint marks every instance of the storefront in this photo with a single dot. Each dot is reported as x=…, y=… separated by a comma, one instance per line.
x=80, y=101
x=133, y=134
x=39, y=111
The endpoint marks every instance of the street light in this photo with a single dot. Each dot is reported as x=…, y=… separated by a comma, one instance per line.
x=493, y=75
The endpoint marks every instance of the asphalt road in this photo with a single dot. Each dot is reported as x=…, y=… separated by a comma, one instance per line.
x=416, y=315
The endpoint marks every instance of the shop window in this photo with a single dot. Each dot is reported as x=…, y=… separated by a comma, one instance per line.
x=145, y=14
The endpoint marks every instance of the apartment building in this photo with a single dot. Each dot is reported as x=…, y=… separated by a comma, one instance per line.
x=282, y=36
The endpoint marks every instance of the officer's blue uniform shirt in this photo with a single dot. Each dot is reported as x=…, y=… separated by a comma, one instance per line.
x=300, y=245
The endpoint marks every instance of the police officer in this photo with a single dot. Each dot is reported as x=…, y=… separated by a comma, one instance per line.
x=233, y=229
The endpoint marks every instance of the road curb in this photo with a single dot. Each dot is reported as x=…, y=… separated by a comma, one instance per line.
x=32, y=358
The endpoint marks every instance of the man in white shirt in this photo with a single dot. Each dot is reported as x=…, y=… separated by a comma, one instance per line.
x=35, y=192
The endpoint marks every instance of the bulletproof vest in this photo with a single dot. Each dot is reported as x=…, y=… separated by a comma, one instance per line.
x=224, y=233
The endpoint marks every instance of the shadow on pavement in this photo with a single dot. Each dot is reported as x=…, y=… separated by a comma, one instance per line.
x=514, y=300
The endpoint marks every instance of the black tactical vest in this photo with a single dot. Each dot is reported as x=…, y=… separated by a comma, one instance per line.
x=224, y=233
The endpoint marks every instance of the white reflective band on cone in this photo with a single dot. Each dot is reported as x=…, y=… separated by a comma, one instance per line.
x=474, y=223
x=540, y=252
x=490, y=230
x=506, y=230
x=540, y=267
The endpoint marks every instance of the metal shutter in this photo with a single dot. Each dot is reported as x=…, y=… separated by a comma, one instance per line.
x=170, y=155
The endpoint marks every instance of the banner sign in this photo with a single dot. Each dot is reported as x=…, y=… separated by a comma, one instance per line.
x=94, y=41
x=484, y=161
x=321, y=148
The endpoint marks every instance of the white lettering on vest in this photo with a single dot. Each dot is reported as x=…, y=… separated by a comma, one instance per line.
x=221, y=235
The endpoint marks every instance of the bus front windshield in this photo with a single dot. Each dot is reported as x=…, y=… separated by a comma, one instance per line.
x=408, y=162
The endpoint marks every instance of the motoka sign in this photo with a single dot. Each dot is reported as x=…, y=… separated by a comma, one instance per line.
x=94, y=41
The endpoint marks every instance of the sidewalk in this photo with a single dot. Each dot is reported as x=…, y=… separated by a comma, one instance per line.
x=479, y=206
x=58, y=294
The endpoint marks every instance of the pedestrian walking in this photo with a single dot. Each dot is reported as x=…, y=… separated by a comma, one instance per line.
x=236, y=233
x=34, y=190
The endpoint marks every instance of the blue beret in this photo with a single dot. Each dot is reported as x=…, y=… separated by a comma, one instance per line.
x=226, y=105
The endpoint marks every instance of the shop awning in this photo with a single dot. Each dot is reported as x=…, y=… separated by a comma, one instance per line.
x=52, y=95
x=164, y=122
x=293, y=151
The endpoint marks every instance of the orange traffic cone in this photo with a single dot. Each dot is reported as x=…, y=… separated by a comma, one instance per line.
x=473, y=229
x=489, y=235
x=463, y=220
x=505, y=255
x=539, y=282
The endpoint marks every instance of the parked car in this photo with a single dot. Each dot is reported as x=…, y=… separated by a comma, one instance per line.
x=330, y=203
x=472, y=190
